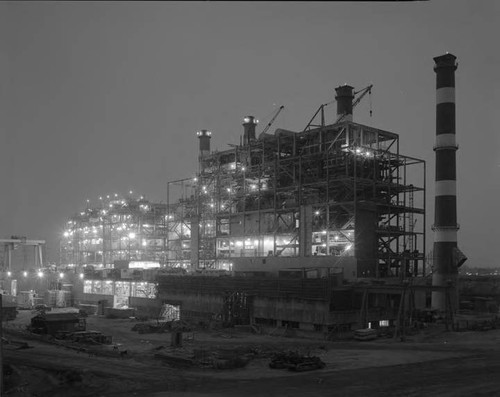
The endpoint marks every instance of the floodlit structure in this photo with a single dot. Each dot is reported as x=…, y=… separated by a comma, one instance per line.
x=337, y=196
x=118, y=229
x=296, y=218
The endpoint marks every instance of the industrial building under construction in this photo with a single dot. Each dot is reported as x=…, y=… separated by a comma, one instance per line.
x=298, y=218
x=337, y=196
x=318, y=229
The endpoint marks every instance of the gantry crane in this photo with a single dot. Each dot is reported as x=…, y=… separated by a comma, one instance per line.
x=12, y=243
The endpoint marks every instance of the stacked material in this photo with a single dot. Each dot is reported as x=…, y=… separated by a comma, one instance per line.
x=365, y=334
x=295, y=362
x=58, y=298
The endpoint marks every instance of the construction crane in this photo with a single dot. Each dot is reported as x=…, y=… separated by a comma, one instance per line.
x=321, y=109
x=272, y=120
x=362, y=93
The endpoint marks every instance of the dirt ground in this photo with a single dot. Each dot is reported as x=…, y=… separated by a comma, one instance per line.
x=431, y=363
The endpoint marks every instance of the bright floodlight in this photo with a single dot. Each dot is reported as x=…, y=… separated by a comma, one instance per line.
x=9, y=274
x=40, y=274
x=131, y=235
x=25, y=274
x=61, y=275
x=250, y=119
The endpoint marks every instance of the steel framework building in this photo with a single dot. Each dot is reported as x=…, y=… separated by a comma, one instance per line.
x=336, y=191
x=118, y=229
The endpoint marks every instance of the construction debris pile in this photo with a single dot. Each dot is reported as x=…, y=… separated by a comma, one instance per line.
x=216, y=359
x=86, y=337
x=294, y=361
x=161, y=327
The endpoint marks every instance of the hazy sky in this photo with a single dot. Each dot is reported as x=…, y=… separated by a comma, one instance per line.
x=101, y=98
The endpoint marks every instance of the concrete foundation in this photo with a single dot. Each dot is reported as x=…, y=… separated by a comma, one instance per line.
x=302, y=312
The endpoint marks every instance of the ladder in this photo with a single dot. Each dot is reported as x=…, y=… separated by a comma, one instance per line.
x=410, y=244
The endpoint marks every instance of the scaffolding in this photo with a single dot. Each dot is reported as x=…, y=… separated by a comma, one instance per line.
x=331, y=190
x=119, y=229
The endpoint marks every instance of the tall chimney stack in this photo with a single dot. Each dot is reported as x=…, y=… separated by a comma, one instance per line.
x=204, y=136
x=344, y=99
x=445, y=252
x=249, y=124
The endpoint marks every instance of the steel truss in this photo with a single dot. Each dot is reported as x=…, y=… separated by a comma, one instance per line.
x=358, y=195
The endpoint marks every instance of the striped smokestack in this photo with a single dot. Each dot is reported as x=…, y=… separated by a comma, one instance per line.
x=344, y=99
x=445, y=271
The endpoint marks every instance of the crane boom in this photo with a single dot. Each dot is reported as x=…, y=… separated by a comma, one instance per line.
x=272, y=120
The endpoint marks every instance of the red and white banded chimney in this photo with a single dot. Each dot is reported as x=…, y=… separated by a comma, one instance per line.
x=445, y=251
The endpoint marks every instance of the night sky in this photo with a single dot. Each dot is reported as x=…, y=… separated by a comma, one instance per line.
x=103, y=98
